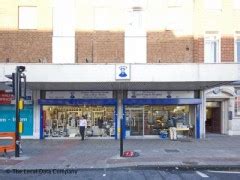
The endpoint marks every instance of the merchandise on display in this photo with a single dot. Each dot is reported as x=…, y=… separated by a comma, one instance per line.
x=157, y=120
x=63, y=121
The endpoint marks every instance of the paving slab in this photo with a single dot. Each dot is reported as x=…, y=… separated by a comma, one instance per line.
x=217, y=150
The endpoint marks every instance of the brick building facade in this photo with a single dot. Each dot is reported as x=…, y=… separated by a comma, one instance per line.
x=107, y=46
x=165, y=52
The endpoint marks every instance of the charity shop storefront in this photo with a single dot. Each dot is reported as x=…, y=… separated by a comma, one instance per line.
x=151, y=113
x=7, y=114
x=60, y=112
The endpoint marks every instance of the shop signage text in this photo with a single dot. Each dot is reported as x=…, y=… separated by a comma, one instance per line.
x=79, y=94
x=7, y=98
x=160, y=94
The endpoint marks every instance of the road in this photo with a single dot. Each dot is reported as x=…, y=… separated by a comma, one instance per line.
x=126, y=174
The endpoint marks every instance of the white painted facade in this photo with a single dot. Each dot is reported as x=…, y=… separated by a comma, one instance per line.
x=63, y=40
x=201, y=73
x=135, y=18
x=174, y=77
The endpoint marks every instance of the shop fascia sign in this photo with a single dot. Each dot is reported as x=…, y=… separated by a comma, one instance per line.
x=160, y=94
x=7, y=98
x=79, y=94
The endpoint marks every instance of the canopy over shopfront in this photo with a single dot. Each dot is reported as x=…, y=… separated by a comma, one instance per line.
x=120, y=79
x=137, y=77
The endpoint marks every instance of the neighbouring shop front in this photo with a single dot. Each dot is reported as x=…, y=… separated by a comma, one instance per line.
x=7, y=114
x=221, y=110
x=154, y=112
x=61, y=111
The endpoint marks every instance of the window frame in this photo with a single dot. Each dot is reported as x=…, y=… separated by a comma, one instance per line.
x=136, y=16
x=173, y=24
x=218, y=53
x=107, y=24
x=236, y=39
x=19, y=20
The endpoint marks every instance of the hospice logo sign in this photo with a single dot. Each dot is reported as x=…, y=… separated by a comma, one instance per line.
x=122, y=71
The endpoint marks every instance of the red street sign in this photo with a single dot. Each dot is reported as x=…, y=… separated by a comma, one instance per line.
x=5, y=98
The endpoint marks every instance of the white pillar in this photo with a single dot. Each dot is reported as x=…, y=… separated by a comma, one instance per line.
x=135, y=40
x=63, y=40
x=230, y=122
x=202, y=114
x=120, y=110
x=224, y=117
x=36, y=115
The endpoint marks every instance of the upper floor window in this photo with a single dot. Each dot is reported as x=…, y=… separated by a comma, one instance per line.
x=135, y=22
x=213, y=4
x=211, y=49
x=236, y=4
x=136, y=18
x=101, y=18
x=173, y=23
x=237, y=48
x=27, y=17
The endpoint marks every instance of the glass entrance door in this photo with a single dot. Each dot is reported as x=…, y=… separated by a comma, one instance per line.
x=135, y=121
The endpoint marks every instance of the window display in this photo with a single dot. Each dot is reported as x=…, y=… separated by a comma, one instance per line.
x=63, y=121
x=156, y=120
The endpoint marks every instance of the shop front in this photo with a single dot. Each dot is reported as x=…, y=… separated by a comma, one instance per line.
x=221, y=111
x=147, y=116
x=8, y=115
x=61, y=111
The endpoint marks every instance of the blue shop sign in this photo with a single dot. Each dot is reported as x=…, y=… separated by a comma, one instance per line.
x=7, y=119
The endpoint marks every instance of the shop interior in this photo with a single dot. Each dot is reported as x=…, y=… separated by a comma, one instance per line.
x=156, y=120
x=63, y=121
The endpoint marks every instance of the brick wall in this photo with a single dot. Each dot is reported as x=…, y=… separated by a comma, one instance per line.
x=100, y=47
x=165, y=47
x=108, y=47
x=25, y=46
x=198, y=51
x=227, y=49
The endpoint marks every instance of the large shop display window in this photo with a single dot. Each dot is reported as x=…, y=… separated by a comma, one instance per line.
x=152, y=120
x=63, y=121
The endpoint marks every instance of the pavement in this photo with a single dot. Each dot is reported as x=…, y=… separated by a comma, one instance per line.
x=218, y=151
